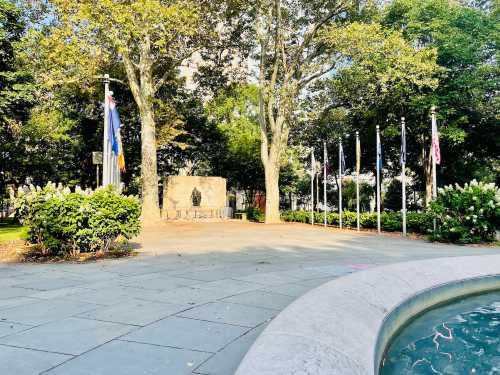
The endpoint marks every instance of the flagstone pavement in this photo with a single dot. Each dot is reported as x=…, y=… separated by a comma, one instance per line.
x=192, y=302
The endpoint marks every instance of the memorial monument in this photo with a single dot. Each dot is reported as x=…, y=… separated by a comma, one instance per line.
x=194, y=197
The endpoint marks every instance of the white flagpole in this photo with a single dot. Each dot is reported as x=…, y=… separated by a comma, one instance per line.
x=312, y=186
x=378, y=180
x=340, y=183
x=433, y=155
x=316, y=174
x=325, y=160
x=434, y=130
x=105, y=152
x=357, y=181
x=403, y=173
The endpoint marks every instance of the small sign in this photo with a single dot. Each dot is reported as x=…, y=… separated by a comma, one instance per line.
x=97, y=157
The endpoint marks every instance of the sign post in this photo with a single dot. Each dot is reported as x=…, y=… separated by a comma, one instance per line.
x=97, y=161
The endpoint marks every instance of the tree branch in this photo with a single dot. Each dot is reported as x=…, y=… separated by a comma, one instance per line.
x=175, y=62
x=132, y=76
x=305, y=81
x=312, y=33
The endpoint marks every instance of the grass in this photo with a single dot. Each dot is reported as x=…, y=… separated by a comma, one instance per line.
x=11, y=231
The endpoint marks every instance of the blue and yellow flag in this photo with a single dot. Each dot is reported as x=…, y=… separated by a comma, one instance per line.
x=114, y=133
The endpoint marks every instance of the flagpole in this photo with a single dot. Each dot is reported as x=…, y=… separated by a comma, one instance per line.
x=312, y=186
x=340, y=182
x=378, y=180
x=105, y=154
x=433, y=155
x=357, y=180
x=403, y=171
x=317, y=188
x=434, y=129
x=324, y=182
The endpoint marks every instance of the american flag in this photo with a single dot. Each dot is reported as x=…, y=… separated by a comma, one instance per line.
x=435, y=142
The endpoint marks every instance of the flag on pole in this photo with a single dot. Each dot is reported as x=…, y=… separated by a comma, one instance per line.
x=379, y=154
x=325, y=164
x=435, y=143
x=342, y=159
x=379, y=167
x=114, y=133
x=328, y=166
x=313, y=164
x=403, y=144
x=358, y=156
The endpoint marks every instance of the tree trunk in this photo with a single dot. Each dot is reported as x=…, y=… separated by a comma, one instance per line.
x=272, y=193
x=141, y=85
x=149, y=173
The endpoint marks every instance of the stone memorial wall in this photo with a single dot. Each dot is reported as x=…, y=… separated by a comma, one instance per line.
x=194, y=197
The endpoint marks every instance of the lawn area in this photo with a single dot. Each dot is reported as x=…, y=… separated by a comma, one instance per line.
x=11, y=231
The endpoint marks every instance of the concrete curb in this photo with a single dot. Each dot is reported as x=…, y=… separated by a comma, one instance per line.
x=343, y=326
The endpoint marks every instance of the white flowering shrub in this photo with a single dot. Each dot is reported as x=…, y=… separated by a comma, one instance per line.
x=61, y=221
x=467, y=214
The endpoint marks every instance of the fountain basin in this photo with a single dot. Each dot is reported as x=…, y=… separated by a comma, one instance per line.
x=344, y=326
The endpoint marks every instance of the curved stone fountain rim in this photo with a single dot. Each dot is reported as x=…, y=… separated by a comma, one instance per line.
x=344, y=326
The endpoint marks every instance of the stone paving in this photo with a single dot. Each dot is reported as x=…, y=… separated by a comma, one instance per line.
x=192, y=302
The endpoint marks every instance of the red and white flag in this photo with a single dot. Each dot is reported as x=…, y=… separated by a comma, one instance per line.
x=435, y=142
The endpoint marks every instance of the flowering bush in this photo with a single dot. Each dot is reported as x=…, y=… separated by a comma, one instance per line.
x=467, y=214
x=61, y=221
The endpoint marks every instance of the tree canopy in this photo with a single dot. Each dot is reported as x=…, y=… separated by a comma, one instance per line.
x=245, y=91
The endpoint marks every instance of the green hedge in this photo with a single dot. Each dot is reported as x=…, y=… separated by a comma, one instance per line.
x=61, y=221
x=419, y=222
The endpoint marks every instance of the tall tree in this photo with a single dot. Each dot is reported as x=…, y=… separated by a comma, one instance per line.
x=305, y=41
x=466, y=41
x=17, y=93
x=291, y=56
x=149, y=38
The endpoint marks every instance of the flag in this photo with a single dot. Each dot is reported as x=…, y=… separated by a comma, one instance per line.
x=403, y=143
x=435, y=142
x=114, y=133
x=379, y=153
x=358, y=156
x=342, y=159
x=313, y=164
x=328, y=166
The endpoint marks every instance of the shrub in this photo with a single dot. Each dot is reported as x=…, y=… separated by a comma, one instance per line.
x=349, y=219
x=333, y=218
x=368, y=220
x=419, y=222
x=390, y=221
x=62, y=221
x=467, y=214
x=255, y=214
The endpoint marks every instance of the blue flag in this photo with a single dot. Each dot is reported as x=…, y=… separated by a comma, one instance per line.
x=403, y=144
x=114, y=133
